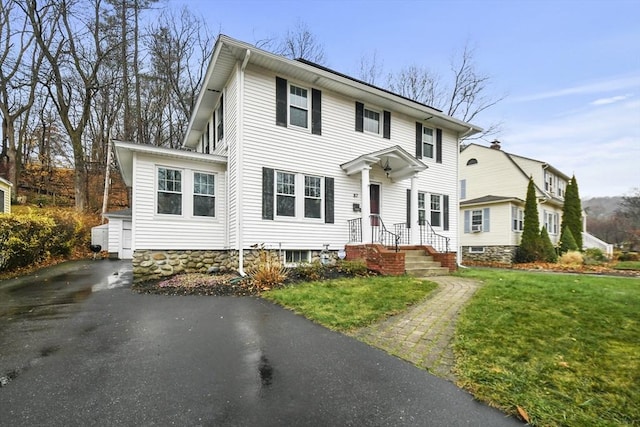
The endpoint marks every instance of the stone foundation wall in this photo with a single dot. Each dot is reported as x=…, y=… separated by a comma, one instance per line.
x=156, y=264
x=491, y=254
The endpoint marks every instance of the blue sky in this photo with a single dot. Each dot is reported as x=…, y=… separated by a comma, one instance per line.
x=570, y=69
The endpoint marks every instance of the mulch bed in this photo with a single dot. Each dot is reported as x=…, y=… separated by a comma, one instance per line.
x=601, y=270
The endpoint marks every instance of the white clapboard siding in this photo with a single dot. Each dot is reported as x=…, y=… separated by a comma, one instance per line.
x=153, y=231
x=229, y=147
x=299, y=151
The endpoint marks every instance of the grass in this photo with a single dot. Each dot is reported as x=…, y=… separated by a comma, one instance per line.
x=627, y=265
x=563, y=349
x=345, y=304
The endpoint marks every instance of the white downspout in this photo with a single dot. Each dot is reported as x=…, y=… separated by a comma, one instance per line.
x=239, y=166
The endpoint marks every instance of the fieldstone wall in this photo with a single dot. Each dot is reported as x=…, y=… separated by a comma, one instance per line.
x=155, y=264
x=492, y=254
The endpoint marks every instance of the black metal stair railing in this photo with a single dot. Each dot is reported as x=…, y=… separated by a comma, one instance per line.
x=380, y=233
x=355, y=230
x=428, y=236
x=403, y=232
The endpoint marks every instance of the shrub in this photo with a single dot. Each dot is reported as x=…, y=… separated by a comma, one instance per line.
x=68, y=232
x=268, y=272
x=629, y=256
x=548, y=250
x=24, y=240
x=530, y=249
x=567, y=242
x=353, y=268
x=572, y=258
x=308, y=271
x=594, y=256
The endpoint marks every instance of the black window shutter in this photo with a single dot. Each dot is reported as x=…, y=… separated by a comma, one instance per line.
x=445, y=212
x=328, y=200
x=215, y=131
x=267, y=193
x=408, y=208
x=359, y=117
x=281, y=102
x=316, y=112
x=418, y=140
x=386, y=130
x=438, y=145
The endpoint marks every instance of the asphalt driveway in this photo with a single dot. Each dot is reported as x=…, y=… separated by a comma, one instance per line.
x=98, y=354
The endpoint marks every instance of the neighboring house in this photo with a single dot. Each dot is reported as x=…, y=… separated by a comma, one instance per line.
x=493, y=190
x=291, y=156
x=5, y=196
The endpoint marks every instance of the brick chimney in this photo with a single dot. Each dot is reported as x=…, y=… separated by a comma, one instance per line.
x=495, y=144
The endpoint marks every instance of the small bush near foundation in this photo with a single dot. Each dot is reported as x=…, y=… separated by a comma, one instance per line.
x=594, y=256
x=308, y=271
x=353, y=268
x=572, y=258
x=629, y=256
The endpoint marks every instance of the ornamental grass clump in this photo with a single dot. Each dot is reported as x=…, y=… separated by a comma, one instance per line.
x=268, y=272
x=572, y=258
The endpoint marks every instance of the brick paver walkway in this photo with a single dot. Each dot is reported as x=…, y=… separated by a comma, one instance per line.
x=423, y=335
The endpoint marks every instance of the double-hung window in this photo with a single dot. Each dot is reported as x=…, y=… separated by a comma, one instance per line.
x=422, y=208
x=427, y=142
x=169, y=191
x=551, y=222
x=298, y=106
x=285, y=194
x=371, y=121
x=219, y=124
x=476, y=220
x=312, y=197
x=436, y=210
x=204, y=194
x=517, y=218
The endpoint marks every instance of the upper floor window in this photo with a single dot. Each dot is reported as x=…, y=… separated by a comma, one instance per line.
x=298, y=106
x=427, y=142
x=472, y=162
x=517, y=218
x=204, y=194
x=169, y=191
x=219, y=122
x=371, y=121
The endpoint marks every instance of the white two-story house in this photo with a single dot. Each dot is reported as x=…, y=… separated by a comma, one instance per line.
x=292, y=156
x=493, y=190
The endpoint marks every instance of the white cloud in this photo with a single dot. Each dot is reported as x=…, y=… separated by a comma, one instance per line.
x=617, y=83
x=601, y=146
x=610, y=100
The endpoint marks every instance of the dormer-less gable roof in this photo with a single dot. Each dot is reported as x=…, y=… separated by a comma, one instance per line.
x=513, y=159
x=228, y=52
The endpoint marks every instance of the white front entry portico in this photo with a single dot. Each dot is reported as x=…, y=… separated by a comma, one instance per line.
x=398, y=165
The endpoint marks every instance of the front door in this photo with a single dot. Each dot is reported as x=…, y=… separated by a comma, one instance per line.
x=374, y=203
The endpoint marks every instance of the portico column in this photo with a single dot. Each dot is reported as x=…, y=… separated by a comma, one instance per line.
x=365, y=205
x=415, y=227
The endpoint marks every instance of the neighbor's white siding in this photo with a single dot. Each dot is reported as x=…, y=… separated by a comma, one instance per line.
x=153, y=231
x=5, y=193
x=299, y=151
x=500, y=227
x=115, y=234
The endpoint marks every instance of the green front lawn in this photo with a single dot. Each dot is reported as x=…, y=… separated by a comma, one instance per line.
x=344, y=304
x=564, y=349
x=627, y=265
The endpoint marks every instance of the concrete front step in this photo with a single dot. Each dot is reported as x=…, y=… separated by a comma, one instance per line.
x=418, y=264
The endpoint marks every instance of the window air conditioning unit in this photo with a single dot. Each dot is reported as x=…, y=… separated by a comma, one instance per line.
x=476, y=228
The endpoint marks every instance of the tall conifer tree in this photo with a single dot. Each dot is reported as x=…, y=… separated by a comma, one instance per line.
x=572, y=212
x=530, y=249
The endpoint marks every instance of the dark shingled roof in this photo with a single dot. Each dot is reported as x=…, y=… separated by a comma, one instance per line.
x=490, y=199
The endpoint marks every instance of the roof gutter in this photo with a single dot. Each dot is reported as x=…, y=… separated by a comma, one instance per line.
x=239, y=170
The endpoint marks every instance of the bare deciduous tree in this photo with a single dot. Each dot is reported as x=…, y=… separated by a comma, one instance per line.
x=20, y=62
x=70, y=36
x=297, y=43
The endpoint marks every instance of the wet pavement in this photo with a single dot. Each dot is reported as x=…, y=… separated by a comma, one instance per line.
x=78, y=347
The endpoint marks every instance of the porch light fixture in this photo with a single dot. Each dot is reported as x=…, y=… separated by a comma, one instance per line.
x=386, y=167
